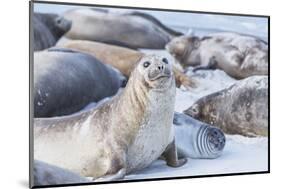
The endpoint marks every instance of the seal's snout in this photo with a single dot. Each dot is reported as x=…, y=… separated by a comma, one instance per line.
x=216, y=138
x=160, y=67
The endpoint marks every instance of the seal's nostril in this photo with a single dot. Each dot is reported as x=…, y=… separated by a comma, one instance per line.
x=161, y=67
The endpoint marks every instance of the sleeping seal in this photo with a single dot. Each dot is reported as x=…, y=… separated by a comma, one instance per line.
x=240, y=109
x=196, y=139
x=134, y=30
x=123, y=59
x=48, y=29
x=122, y=135
x=240, y=56
x=65, y=81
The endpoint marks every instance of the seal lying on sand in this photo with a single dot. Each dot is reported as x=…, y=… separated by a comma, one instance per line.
x=121, y=58
x=238, y=55
x=48, y=29
x=196, y=139
x=45, y=174
x=240, y=109
x=65, y=81
x=124, y=134
x=134, y=29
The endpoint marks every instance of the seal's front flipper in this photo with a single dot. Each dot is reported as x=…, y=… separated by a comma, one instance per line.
x=212, y=64
x=182, y=79
x=171, y=156
x=117, y=176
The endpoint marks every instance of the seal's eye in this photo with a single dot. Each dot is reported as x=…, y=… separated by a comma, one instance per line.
x=59, y=20
x=146, y=64
x=165, y=60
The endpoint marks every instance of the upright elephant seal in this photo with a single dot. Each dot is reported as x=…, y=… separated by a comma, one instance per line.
x=134, y=30
x=65, y=81
x=240, y=56
x=46, y=174
x=240, y=109
x=123, y=59
x=122, y=135
x=48, y=29
x=196, y=139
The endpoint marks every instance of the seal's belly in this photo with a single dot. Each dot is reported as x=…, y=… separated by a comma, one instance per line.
x=150, y=142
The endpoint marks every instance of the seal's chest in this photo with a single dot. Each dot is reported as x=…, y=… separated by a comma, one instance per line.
x=155, y=133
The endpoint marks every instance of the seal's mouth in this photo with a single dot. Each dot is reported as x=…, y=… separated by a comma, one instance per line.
x=161, y=76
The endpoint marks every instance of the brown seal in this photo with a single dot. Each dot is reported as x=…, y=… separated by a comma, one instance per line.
x=123, y=59
x=240, y=56
x=240, y=109
x=122, y=135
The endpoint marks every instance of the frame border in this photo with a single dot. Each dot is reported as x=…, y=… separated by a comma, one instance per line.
x=31, y=157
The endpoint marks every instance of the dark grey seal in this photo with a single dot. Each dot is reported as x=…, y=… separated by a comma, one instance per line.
x=133, y=29
x=65, y=81
x=48, y=29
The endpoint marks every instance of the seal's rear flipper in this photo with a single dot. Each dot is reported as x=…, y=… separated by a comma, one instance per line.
x=117, y=176
x=171, y=156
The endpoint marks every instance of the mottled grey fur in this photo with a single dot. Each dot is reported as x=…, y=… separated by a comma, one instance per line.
x=240, y=109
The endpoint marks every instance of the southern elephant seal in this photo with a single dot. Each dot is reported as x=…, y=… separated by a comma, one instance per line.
x=123, y=59
x=240, y=56
x=240, y=109
x=134, y=30
x=195, y=139
x=48, y=29
x=122, y=135
x=65, y=81
x=46, y=174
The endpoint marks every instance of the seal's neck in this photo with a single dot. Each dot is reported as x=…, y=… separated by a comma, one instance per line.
x=135, y=95
x=132, y=105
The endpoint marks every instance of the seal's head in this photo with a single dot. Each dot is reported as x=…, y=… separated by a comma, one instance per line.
x=58, y=25
x=204, y=110
x=62, y=24
x=194, y=111
x=181, y=47
x=155, y=71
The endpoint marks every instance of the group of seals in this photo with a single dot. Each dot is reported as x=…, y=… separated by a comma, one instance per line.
x=238, y=55
x=133, y=29
x=122, y=135
x=123, y=59
x=240, y=109
x=48, y=29
x=137, y=125
x=65, y=81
